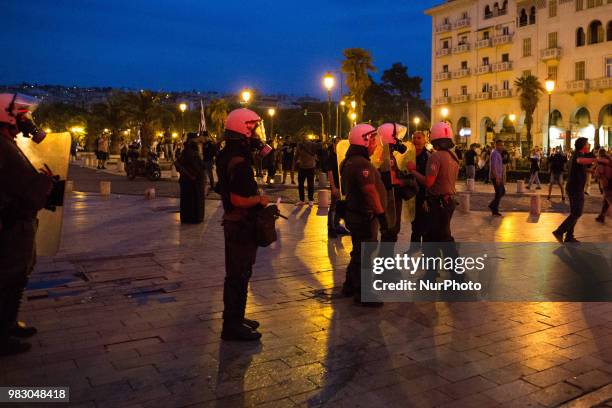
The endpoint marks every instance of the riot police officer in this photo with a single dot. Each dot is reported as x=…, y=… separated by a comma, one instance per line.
x=241, y=201
x=23, y=192
x=439, y=181
x=365, y=202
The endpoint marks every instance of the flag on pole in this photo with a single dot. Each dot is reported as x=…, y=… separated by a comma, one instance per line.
x=202, y=127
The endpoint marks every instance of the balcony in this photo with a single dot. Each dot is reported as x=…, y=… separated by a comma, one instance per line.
x=464, y=22
x=442, y=100
x=550, y=54
x=460, y=98
x=441, y=76
x=443, y=28
x=502, y=66
x=484, y=43
x=460, y=73
x=481, y=96
x=502, y=93
x=483, y=69
x=578, y=86
x=601, y=83
x=502, y=39
x=496, y=13
x=458, y=49
x=442, y=52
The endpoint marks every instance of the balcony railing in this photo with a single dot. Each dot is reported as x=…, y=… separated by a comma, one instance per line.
x=601, y=83
x=481, y=96
x=578, y=86
x=502, y=66
x=460, y=98
x=460, y=73
x=502, y=39
x=483, y=69
x=442, y=100
x=502, y=93
x=485, y=42
x=443, y=27
x=442, y=52
x=497, y=13
x=464, y=22
x=549, y=54
x=458, y=49
x=441, y=76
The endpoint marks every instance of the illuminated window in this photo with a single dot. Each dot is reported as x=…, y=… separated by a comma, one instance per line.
x=552, y=72
x=579, y=71
x=552, y=40
x=526, y=47
x=552, y=8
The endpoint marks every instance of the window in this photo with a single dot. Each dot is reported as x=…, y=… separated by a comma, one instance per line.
x=596, y=32
x=609, y=67
x=485, y=87
x=526, y=47
x=445, y=44
x=464, y=90
x=445, y=21
x=485, y=35
x=590, y=3
x=505, y=57
x=444, y=68
x=552, y=40
x=552, y=72
x=579, y=5
x=445, y=92
x=505, y=30
x=580, y=37
x=505, y=85
x=609, y=31
x=463, y=39
x=488, y=13
x=532, y=15
x=579, y=71
x=485, y=60
x=523, y=18
x=552, y=8
x=464, y=15
x=526, y=73
x=464, y=65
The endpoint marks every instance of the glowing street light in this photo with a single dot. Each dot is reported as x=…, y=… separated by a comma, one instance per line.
x=183, y=108
x=48, y=130
x=444, y=113
x=77, y=129
x=246, y=96
x=328, y=82
x=353, y=105
x=353, y=117
x=271, y=113
x=550, y=87
x=416, y=120
x=512, y=117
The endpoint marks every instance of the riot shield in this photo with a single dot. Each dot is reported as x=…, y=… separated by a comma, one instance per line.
x=54, y=151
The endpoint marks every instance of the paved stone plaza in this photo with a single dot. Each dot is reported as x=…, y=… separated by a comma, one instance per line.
x=129, y=314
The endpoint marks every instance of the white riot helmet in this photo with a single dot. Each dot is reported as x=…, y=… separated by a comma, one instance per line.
x=16, y=110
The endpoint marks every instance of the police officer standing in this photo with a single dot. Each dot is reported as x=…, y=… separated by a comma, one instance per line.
x=419, y=224
x=439, y=181
x=366, y=202
x=23, y=192
x=241, y=203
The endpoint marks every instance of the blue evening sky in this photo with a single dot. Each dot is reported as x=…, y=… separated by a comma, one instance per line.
x=274, y=46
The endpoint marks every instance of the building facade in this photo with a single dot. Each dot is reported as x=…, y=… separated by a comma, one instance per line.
x=480, y=47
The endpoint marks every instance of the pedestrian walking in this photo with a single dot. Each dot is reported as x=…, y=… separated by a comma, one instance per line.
x=557, y=166
x=534, y=170
x=209, y=152
x=575, y=190
x=496, y=174
x=73, y=149
x=604, y=177
x=269, y=163
x=288, y=153
x=191, y=180
x=305, y=161
x=102, y=151
x=470, y=162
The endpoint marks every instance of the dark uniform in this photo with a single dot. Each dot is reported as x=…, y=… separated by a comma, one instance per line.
x=191, y=181
x=235, y=175
x=23, y=192
x=331, y=166
x=357, y=171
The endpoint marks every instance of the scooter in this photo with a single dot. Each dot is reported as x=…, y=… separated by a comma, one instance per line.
x=148, y=168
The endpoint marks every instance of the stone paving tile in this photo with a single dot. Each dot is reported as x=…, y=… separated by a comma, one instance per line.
x=557, y=394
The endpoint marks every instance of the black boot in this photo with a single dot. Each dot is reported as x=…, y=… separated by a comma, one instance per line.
x=22, y=331
x=253, y=324
x=239, y=332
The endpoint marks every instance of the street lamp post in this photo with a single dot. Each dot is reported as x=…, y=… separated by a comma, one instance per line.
x=183, y=108
x=246, y=96
x=550, y=87
x=307, y=112
x=271, y=113
x=339, y=118
x=328, y=82
x=512, y=118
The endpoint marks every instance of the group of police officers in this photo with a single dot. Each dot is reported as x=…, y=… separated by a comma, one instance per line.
x=373, y=205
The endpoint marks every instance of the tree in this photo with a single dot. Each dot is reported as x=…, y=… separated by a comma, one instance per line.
x=111, y=115
x=217, y=110
x=529, y=89
x=357, y=66
x=145, y=110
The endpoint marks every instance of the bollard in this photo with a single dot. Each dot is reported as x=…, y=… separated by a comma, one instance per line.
x=322, y=179
x=69, y=186
x=278, y=179
x=323, y=198
x=149, y=193
x=105, y=188
x=520, y=186
x=173, y=172
x=464, y=203
x=120, y=166
x=535, y=208
x=470, y=184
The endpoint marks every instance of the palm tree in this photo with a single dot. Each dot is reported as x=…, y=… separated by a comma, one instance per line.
x=111, y=115
x=357, y=66
x=145, y=110
x=529, y=89
x=217, y=109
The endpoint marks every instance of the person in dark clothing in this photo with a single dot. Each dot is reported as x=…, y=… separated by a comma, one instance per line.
x=209, y=151
x=604, y=177
x=496, y=175
x=269, y=163
x=576, y=181
x=305, y=160
x=191, y=181
x=241, y=202
x=557, y=165
x=419, y=223
x=470, y=162
x=366, y=202
x=288, y=153
x=331, y=168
